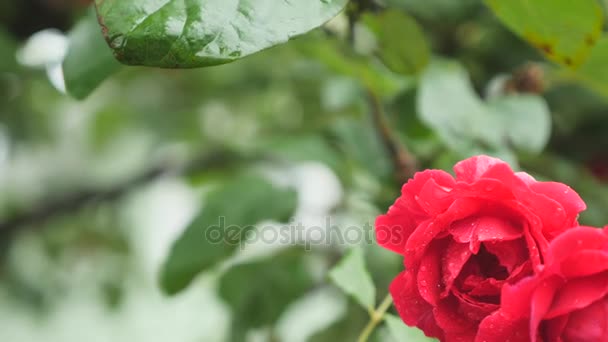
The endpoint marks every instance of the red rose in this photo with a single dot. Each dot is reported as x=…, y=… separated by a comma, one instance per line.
x=464, y=238
x=567, y=301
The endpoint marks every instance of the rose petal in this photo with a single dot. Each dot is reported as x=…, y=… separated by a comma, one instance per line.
x=455, y=257
x=485, y=228
x=515, y=297
x=414, y=310
x=451, y=320
x=589, y=324
x=541, y=302
x=551, y=211
x=472, y=169
x=434, y=198
x=553, y=328
x=429, y=273
x=393, y=230
x=488, y=287
x=578, y=293
x=413, y=187
x=584, y=263
x=500, y=327
x=563, y=194
x=510, y=254
x=577, y=239
x=474, y=309
x=427, y=231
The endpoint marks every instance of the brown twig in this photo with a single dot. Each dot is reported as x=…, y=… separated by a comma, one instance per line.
x=403, y=161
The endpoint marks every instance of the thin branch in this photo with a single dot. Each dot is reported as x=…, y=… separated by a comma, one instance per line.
x=404, y=162
x=376, y=316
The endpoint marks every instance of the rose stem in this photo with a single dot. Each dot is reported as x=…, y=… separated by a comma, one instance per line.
x=375, y=318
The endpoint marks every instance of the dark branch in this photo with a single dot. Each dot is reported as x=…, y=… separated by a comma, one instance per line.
x=403, y=161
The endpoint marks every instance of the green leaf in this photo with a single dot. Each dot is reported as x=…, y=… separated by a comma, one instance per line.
x=526, y=121
x=229, y=212
x=564, y=30
x=89, y=61
x=352, y=277
x=401, y=42
x=199, y=33
x=448, y=103
x=594, y=72
x=402, y=332
x=259, y=292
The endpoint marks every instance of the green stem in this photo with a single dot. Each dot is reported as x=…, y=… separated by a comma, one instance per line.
x=375, y=318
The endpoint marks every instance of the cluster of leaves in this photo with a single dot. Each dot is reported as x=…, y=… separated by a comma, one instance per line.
x=451, y=78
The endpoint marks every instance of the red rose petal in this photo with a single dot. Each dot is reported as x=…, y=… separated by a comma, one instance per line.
x=472, y=308
x=489, y=189
x=563, y=194
x=552, y=329
x=454, y=258
x=541, y=302
x=452, y=321
x=488, y=287
x=434, y=198
x=470, y=170
x=392, y=231
x=584, y=263
x=577, y=239
x=431, y=229
x=510, y=254
x=578, y=293
x=498, y=327
x=515, y=298
x=429, y=273
x=412, y=188
x=589, y=324
x=414, y=310
x=474, y=230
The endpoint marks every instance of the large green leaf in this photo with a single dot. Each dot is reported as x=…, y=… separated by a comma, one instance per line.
x=402, y=45
x=448, y=103
x=401, y=332
x=198, y=33
x=352, y=277
x=594, y=71
x=564, y=30
x=229, y=212
x=259, y=292
x=89, y=61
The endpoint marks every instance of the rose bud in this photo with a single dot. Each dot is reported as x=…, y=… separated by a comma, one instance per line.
x=463, y=238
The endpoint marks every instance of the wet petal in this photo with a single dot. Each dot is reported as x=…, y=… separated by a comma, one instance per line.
x=429, y=273
x=510, y=254
x=454, y=258
x=589, y=324
x=472, y=169
x=563, y=194
x=578, y=293
x=414, y=310
x=393, y=230
x=499, y=327
x=584, y=263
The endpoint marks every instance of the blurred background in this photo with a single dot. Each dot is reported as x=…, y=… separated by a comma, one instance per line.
x=98, y=196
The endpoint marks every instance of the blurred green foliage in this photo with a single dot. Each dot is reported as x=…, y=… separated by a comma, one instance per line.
x=105, y=191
